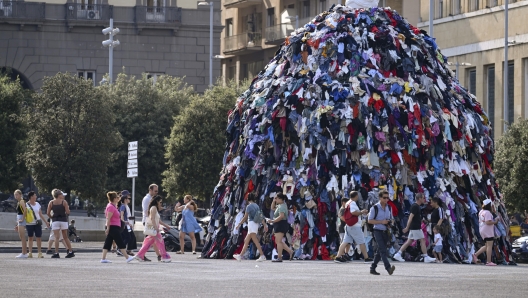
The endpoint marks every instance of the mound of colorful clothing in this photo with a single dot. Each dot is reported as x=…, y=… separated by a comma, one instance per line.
x=357, y=99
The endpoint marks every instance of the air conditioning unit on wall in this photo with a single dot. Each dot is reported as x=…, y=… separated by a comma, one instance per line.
x=93, y=15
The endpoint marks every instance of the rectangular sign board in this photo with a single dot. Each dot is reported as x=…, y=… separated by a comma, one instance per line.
x=132, y=163
x=132, y=173
x=132, y=154
x=132, y=145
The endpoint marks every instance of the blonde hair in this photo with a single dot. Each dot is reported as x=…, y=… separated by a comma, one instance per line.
x=188, y=197
x=56, y=193
x=18, y=191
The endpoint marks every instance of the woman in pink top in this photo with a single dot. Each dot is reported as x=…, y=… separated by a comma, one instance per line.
x=113, y=228
x=487, y=231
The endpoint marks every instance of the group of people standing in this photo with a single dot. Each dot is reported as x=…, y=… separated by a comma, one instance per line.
x=30, y=219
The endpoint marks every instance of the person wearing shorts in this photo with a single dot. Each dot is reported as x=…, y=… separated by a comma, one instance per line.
x=414, y=226
x=59, y=226
x=21, y=223
x=280, y=225
x=51, y=240
x=251, y=210
x=353, y=233
x=34, y=228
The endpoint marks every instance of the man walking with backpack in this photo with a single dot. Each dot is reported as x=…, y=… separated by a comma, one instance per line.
x=380, y=216
x=353, y=231
x=414, y=226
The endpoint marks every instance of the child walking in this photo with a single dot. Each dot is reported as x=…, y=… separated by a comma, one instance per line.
x=437, y=250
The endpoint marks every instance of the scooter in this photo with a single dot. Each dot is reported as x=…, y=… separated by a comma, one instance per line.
x=517, y=253
x=171, y=238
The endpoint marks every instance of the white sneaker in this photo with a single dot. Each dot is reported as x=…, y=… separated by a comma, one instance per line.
x=428, y=259
x=237, y=257
x=105, y=261
x=166, y=260
x=398, y=257
x=22, y=256
x=130, y=259
x=261, y=259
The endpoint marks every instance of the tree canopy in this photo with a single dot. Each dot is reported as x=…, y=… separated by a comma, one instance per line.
x=197, y=141
x=144, y=113
x=71, y=136
x=12, y=133
x=511, y=165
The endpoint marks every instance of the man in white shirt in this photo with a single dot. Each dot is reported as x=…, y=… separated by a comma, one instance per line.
x=153, y=190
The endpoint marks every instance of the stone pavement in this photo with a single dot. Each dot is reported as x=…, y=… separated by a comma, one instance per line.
x=186, y=276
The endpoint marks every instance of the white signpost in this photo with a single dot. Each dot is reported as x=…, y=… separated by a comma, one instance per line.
x=132, y=170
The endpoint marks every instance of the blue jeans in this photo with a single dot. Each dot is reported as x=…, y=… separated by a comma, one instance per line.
x=381, y=238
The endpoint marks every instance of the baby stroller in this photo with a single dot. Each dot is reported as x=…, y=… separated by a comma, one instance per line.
x=72, y=232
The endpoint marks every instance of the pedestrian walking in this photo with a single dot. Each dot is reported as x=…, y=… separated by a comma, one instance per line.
x=280, y=225
x=126, y=216
x=487, y=232
x=353, y=230
x=59, y=210
x=437, y=244
x=21, y=222
x=153, y=191
x=414, y=226
x=254, y=218
x=188, y=224
x=113, y=228
x=380, y=216
x=154, y=220
x=34, y=228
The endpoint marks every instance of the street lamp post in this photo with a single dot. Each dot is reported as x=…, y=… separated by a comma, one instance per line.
x=431, y=17
x=210, y=4
x=505, y=70
x=111, y=43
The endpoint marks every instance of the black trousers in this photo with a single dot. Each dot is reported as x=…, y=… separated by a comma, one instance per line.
x=114, y=235
x=132, y=242
x=381, y=238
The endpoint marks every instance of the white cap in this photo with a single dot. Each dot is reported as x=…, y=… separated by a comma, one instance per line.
x=486, y=202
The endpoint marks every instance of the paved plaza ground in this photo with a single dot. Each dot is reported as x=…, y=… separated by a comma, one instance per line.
x=187, y=276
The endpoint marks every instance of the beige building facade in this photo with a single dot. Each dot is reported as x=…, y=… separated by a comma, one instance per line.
x=471, y=33
x=254, y=29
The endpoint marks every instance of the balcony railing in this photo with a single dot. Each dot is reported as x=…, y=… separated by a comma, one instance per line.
x=277, y=33
x=241, y=3
x=90, y=12
x=22, y=10
x=245, y=41
x=158, y=14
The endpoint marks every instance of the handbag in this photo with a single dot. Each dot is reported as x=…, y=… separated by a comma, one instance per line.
x=30, y=216
x=149, y=229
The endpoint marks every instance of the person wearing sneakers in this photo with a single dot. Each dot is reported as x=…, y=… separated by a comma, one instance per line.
x=60, y=210
x=188, y=223
x=414, y=226
x=380, y=216
x=113, y=229
x=21, y=223
x=154, y=217
x=34, y=228
x=280, y=225
x=153, y=191
x=353, y=230
x=254, y=218
x=487, y=231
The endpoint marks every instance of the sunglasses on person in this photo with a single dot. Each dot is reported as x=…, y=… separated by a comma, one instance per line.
x=384, y=197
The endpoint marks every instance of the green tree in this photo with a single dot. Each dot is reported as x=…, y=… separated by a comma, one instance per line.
x=146, y=113
x=71, y=136
x=12, y=133
x=511, y=165
x=197, y=142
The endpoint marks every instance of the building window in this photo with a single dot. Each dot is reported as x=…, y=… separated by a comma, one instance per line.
x=490, y=93
x=472, y=81
x=270, y=19
x=491, y=3
x=251, y=70
x=229, y=27
x=154, y=76
x=155, y=6
x=231, y=72
x=87, y=75
x=456, y=7
x=87, y=4
x=473, y=5
x=306, y=9
x=440, y=9
x=511, y=99
x=322, y=5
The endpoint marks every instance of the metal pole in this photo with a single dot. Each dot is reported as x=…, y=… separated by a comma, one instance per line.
x=134, y=198
x=111, y=53
x=211, y=45
x=431, y=17
x=505, y=83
